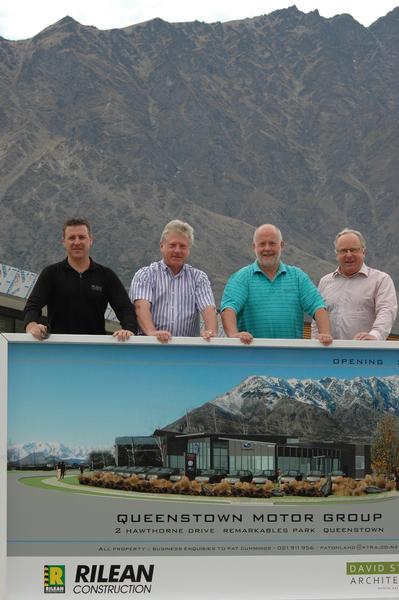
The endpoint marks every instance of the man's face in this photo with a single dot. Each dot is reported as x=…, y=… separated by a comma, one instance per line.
x=77, y=241
x=175, y=250
x=350, y=254
x=267, y=247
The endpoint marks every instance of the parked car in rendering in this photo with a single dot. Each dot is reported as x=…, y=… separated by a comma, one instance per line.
x=139, y=471
x=335, y=474
x=126, y=471
x=109, y=469
x=239, y=475
x=161, y=473
x=260, y=477
x=210, y=475
x=291, y=475
x=177, y=475
x=153, y=473
x=314, y=476
x=118, y=471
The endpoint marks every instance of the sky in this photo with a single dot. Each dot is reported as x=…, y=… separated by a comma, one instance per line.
x=89, y=394
x=21, y=19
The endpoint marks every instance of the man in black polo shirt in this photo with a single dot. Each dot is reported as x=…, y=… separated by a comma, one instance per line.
x=77, y=291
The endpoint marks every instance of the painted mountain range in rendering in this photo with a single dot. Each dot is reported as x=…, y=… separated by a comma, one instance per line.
x=38, y=452
x=324, y=409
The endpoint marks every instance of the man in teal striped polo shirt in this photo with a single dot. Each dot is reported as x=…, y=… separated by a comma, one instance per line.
x=268, y=298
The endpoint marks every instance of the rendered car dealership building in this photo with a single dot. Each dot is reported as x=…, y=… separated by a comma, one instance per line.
x=251, y=452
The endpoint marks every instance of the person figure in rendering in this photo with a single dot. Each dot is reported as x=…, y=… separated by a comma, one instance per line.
x=169, y=295
x=279, y=475
x=361, y=301
x=267, y=299
x=77, y=291
x=63, y=469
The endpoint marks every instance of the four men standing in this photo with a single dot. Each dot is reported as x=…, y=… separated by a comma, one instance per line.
x=265, y=299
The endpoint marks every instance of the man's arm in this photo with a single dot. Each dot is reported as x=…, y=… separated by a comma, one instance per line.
x=124, y=310
x=229, y=319
x=205, y=303
x=141, y=294
x=146, y=323
x=210, y=322
x=234, y=297
x=313, y=304
x=323, y=325
x=38, y=298
x=386, y=306
x=313, y=326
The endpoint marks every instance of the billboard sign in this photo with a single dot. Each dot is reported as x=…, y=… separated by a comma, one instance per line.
x=281, y=432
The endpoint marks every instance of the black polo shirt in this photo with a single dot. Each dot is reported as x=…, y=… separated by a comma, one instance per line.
x=76, y=302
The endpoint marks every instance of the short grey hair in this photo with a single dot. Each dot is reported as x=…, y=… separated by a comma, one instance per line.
x=355, y=232
x=180, y=227
x=280, y=235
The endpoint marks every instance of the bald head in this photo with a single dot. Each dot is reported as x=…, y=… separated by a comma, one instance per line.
x=268, y=229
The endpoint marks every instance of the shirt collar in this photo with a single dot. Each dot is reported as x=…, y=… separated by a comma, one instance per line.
x=168, y=270
x=282, y=268
x=364, y=270
x=93, y=265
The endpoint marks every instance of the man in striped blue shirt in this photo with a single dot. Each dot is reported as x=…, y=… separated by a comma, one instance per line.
x=268, y=298
x=169, y=295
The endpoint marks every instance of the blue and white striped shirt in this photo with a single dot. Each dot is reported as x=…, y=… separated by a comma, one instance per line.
x=176, y=300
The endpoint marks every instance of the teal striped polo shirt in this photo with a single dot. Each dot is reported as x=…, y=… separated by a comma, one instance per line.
x=271, y=308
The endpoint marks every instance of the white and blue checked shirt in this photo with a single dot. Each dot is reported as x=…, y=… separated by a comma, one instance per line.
x=176, y=300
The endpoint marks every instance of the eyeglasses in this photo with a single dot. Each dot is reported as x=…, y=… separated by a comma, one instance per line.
x=343, y=251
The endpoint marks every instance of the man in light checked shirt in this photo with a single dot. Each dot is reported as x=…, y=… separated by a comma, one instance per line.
x=361, y=301
x=169, y=295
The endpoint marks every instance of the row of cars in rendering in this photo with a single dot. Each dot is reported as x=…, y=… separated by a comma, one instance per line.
x=147, y=472
x=260, y=477
x=218, y=475
x=311, y=477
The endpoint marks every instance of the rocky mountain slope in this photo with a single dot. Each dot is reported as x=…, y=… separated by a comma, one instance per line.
x=324, y=409
x=288, y=117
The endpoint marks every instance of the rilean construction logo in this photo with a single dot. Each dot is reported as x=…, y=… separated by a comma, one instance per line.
x=54, y=579
x=113, y=579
